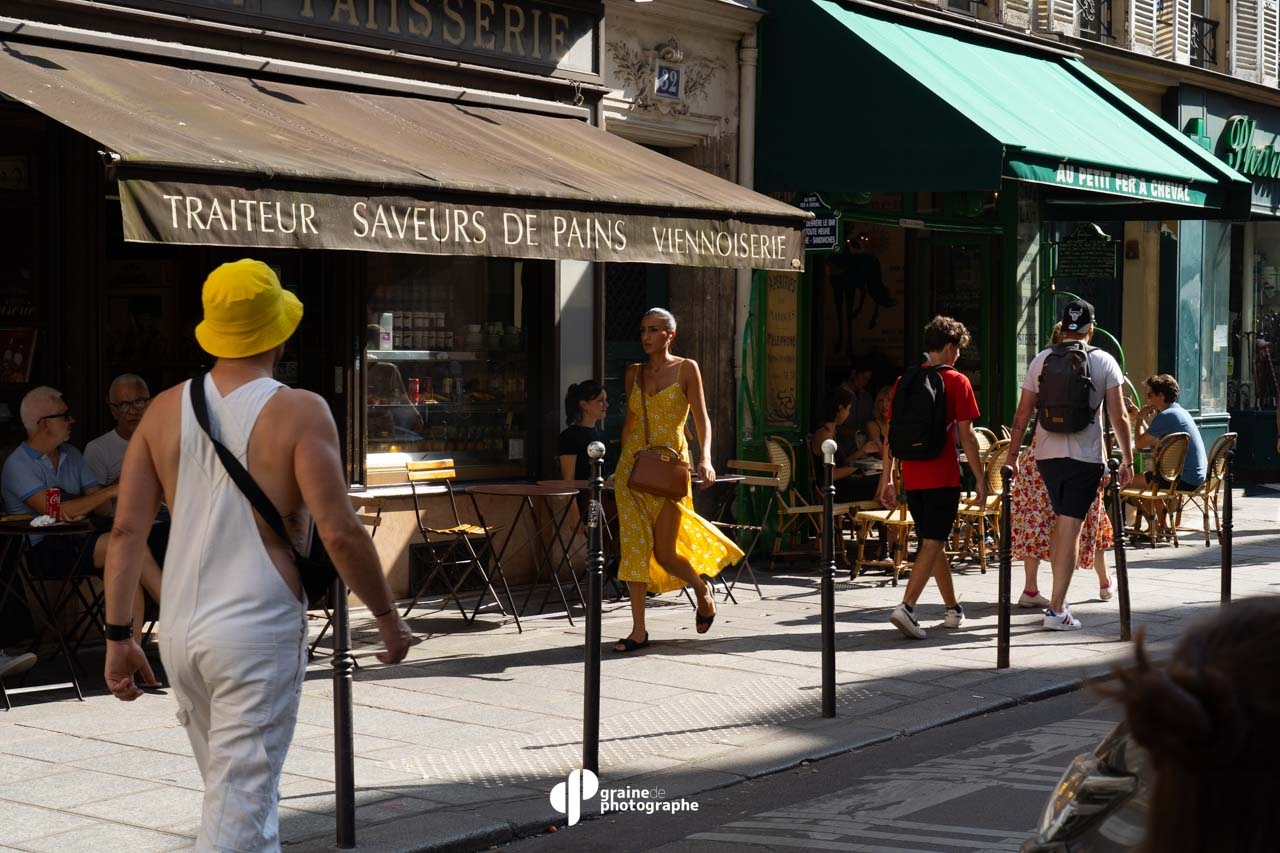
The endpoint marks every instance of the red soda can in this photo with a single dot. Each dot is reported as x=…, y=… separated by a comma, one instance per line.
x=53, y=503
x=414, y=396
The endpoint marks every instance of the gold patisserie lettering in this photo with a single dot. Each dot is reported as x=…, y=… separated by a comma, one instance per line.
x=537, y=33
x=484, y=37
x=453, y=36
x=514, y=31
x=347, y=7
x=307, y=10
x=558, y=25
x=424, y=28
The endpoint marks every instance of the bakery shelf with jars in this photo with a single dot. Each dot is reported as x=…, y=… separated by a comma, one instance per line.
x=447, y=368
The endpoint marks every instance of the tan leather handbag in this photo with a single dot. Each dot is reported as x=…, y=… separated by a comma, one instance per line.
x=658, y=470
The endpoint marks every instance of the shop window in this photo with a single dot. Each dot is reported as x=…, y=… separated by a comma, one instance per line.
x=448, y=368
x=1203, y=315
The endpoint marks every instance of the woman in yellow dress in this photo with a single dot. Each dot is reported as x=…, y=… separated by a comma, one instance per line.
x=665, y=545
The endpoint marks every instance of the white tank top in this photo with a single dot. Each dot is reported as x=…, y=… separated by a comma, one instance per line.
x=219, y=582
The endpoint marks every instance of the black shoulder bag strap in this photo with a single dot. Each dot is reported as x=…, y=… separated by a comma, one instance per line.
x=243, y=479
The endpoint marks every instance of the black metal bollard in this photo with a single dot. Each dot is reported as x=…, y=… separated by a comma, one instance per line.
x=595, y=585
x=829, y=582
x=1227, y=525
x=1122, y=564
x=1004, y=614
x=343, y=737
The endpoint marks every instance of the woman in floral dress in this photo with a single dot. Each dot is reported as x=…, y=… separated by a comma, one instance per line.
x=665, y=545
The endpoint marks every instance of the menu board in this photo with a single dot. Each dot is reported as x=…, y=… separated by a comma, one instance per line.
x=1086, y=257
x=781, y=349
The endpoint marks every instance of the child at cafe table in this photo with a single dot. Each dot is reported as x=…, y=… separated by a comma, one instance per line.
x=48, y=460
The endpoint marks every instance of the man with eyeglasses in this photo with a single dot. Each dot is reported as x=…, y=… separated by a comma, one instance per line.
x=46, y=460
x=127, y=398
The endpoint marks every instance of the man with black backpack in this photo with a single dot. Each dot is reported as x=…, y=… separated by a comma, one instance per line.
x=1065, y=387
x=931, y=404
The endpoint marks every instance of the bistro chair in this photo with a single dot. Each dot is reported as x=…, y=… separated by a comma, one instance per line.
x=986, y=440
x=976, y=523
x=1207, y=496
x=460, y=548
x=797, y=518
x=897, y=522
x=756, y=476
x=1158, y=501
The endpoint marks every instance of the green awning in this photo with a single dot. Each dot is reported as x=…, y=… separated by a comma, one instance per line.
x=869, y=101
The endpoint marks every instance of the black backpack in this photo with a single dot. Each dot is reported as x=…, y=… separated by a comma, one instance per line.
x=918, y=422
x=1063, y=403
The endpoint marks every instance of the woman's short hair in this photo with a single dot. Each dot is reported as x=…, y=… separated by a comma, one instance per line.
x=1055, y=337
x=581, y=392
x=668, y=319
x=837, y=400
x=1208, y=720
x=1164, y=385
x=945, y=330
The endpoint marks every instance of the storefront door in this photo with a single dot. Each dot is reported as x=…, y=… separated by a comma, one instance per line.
x=957, y=275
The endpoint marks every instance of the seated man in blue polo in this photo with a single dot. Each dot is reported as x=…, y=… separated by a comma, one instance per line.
x=47, y=460
x=1170, y=417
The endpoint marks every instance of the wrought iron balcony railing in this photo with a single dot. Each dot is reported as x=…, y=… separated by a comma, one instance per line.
x=1204, y=41
x=1095, y=20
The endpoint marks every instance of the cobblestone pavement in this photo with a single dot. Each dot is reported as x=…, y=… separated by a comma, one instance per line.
x=459, y=747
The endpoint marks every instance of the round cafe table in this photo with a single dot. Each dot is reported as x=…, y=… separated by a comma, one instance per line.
x=525, y=494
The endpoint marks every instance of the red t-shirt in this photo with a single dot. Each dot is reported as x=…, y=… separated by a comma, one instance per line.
x=944, y=469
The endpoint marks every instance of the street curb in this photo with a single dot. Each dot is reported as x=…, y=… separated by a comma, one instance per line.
x=505, y=831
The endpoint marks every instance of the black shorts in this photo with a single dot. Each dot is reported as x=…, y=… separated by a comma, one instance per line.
x=1072, y=485
x=934, y=511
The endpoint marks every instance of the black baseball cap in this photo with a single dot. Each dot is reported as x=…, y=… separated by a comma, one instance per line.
x=1077, y=315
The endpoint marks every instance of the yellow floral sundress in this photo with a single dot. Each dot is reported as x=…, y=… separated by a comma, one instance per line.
x=705, y=547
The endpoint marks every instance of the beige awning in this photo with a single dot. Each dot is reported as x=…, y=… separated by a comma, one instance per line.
x=209, y=157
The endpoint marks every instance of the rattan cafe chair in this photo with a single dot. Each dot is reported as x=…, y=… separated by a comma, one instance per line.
x=975, y=523
x=897, y=522
x=1206, y=497
x=797, y=518
x=1158, y=500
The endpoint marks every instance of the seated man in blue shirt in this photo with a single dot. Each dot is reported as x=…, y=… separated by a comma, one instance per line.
x=47, y=460
x=1162, y=400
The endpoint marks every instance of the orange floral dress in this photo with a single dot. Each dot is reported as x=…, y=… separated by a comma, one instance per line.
x=698, y=541
x=1033, y=518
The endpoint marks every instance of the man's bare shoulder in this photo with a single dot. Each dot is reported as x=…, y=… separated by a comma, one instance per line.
x=165, y=409
x=298, y=407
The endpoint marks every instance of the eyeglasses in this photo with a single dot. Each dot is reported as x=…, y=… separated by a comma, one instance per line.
x=64, y=415
x=132, y=405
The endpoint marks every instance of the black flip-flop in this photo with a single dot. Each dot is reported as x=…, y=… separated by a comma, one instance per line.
x=629, y=645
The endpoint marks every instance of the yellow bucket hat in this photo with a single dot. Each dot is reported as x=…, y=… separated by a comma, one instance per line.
x=246, y=311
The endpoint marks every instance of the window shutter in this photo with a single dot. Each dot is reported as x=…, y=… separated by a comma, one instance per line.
x=1017, y=14
x=1246, y=17
x=1268, y=37
x=1140, y=25
x=1056, y=16
x=1173, y=30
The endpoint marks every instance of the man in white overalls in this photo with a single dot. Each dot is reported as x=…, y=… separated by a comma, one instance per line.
x=234, y=614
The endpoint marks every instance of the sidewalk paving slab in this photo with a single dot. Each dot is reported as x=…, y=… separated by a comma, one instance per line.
x=458, y=748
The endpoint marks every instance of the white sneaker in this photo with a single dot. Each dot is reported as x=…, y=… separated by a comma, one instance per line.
x=954, y=617
x=905, y=621
x=1037, y=601
x=16, y=664
x=1063, y=621
x=1105, y=592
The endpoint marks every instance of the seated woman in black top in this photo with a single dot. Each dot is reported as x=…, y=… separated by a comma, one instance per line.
x=585, y=405
x=850, y=485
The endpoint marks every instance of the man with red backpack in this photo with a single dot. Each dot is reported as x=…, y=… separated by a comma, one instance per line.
x=932, y=404
x=1065, y=387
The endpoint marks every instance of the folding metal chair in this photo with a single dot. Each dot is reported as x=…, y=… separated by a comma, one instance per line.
x=755, y=476
x=461, y=544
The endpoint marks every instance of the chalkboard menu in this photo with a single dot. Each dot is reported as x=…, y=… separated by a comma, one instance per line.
x=1087, y=256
